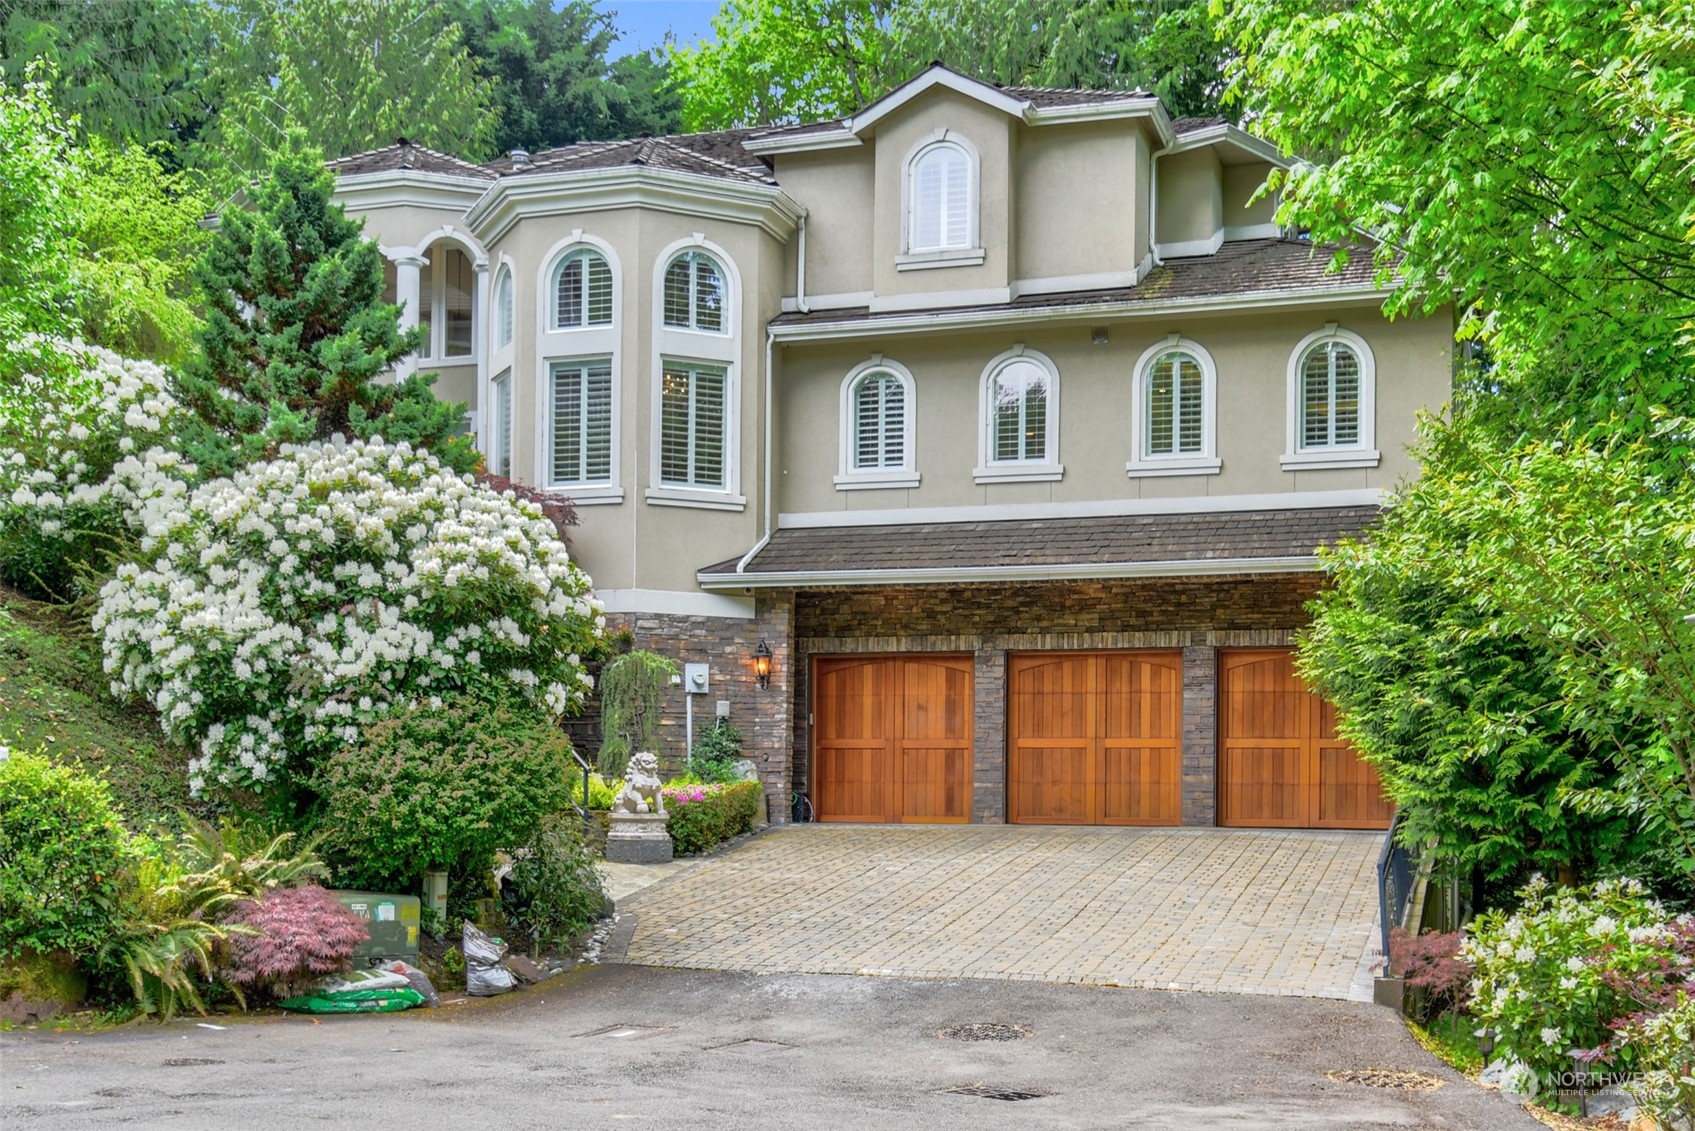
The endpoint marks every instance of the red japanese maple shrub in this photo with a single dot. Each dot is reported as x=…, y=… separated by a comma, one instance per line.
x=1432, y=963
x=301, y=933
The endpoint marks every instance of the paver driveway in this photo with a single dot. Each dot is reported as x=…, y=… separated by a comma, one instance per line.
x=1239, y=911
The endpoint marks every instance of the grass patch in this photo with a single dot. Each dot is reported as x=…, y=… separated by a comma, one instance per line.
x=55, y=697
x=1449, y=1039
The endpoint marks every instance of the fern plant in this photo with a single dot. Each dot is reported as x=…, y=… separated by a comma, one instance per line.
x=632, y=696
x=166, y=942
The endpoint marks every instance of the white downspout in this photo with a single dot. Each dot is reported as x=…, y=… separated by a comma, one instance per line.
x=1153, y=207
x=800, y=269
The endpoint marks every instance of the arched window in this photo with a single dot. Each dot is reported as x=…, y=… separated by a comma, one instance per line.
x=1020, y=429
x=877, y=427
x=503, y=310
x=1173, y=416
x=694, y=293
x=940, y=199
x=1332, y=379
x=582, y=291
x=1330, y=397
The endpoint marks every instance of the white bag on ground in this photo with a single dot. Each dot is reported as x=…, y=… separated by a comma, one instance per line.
x=484, y=975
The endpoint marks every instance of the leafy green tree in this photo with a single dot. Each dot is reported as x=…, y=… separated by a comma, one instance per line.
x=350, y=77
x=297, y=334
x=37, y=220
x=798, y=60
x=553, y=84
x=128, y=72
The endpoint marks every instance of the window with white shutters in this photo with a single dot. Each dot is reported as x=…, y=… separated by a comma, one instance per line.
x=1330, y=397
x=503, y=311
x=939, y=197
x=693, y=425
x=582, y=422
x=582, y=291
x=500, y=455
x=694, y=293
x=879, y=422
x=1018, y=424
x=1176, y=405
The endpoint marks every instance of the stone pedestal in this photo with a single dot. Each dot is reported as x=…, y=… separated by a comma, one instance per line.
x=638, y=838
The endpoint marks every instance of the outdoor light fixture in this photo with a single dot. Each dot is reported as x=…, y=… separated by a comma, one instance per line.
x=762, y=664
x=1485, y=1042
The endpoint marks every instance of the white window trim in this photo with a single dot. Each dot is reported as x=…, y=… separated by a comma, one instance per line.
x=582, y=248
x=581, y=492
x=437, y=298
x=705, y=347
x=500, y=358
x=918, y=259
x=492, y=453
x=1362, y=453
x=1143, y=464
x=850, y=478
x=503, y=275
x=989, y=470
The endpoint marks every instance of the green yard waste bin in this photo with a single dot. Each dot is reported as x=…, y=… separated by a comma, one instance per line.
x=392, y=921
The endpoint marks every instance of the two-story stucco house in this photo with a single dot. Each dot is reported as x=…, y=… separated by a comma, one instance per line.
x=1006, y=419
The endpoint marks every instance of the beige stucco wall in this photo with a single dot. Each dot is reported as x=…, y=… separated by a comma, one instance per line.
x=990, y=132
x=1251, y=352
x=1191, y=205
x=1077, y=205
x=405, y=225
x=835, y=187
x=1241, y=182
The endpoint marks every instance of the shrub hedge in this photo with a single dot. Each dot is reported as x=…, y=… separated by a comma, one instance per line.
x=704, y=815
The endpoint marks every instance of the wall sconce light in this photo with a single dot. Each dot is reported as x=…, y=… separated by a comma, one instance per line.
x=762, y=664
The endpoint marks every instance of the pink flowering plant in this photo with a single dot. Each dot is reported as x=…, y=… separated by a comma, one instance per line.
x=277, y=613
x=701, y=816
x=1555, y=975
x=292, y=934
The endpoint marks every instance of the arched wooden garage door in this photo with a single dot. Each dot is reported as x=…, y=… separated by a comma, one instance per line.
x=1095, y=738
x=1280, y=762
x=892, y=738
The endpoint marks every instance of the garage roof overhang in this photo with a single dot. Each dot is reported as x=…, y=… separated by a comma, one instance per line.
x=1045, y=549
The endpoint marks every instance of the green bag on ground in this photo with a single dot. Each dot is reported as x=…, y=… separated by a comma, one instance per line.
x=362, y=991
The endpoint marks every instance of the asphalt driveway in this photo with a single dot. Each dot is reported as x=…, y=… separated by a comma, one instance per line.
x=1280, y=912
x=629, y=1046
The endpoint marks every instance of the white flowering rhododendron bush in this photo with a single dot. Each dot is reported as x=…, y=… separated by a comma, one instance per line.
x=279, y=611
x=88, y=456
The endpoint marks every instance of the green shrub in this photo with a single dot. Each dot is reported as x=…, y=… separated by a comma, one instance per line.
x=716, y=753
x=602, y=792
x=553, y=888
x=701, y=816
x=1664, y=1085
x=61, y=852
x=428, y=788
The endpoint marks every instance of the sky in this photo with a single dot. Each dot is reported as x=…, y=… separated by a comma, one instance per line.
x=642, y=24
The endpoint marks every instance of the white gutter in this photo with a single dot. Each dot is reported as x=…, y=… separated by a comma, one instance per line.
x=800, y=268
x=1070, y=571
x=770, y=516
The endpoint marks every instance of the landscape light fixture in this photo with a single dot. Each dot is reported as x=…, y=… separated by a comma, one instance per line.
x=762, y=664
x=1485, y=1042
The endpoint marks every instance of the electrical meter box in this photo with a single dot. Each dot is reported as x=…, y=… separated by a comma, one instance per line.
x=392, y=921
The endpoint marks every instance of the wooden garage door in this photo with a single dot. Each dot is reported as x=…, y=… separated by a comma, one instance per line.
x=1095, y=738
x=892, y=738
x=1280, y=762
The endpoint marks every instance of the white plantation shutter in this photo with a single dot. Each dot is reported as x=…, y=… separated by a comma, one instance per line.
x=879, y=422
x=568, y=294
x=1330, y=397
x=940, y=194
x=582, y=291
x=692, y=425
x=582, y=422
x=694, y=294
x=1176, y=405
x=1020, y=423
x=503, y=309
x=501, y=463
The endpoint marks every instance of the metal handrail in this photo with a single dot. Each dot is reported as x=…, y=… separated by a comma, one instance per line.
x=1397, y=866
x=583, y=809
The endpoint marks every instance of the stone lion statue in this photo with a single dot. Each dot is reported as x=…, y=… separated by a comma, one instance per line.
x=641, y=787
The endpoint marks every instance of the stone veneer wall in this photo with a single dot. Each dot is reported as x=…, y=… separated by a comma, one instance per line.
x=762, y=715
x=1197, y=615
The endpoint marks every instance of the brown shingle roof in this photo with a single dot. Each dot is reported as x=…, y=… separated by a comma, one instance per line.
x=1278, y=266
x=1181, y=126
x=717, y=154
x=1048, y=97
x=404, y=155
x=1074, y=546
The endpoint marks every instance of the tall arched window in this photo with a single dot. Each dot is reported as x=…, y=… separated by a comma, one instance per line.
x=1020, y=429
x=582, y=291
x=877, y=427
x=939, y=198
x=503, y=310
x=695, y=293
x=1332, y=379
x=1174, y=414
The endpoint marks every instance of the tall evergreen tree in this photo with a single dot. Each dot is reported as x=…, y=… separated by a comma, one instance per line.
x=297, y=333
